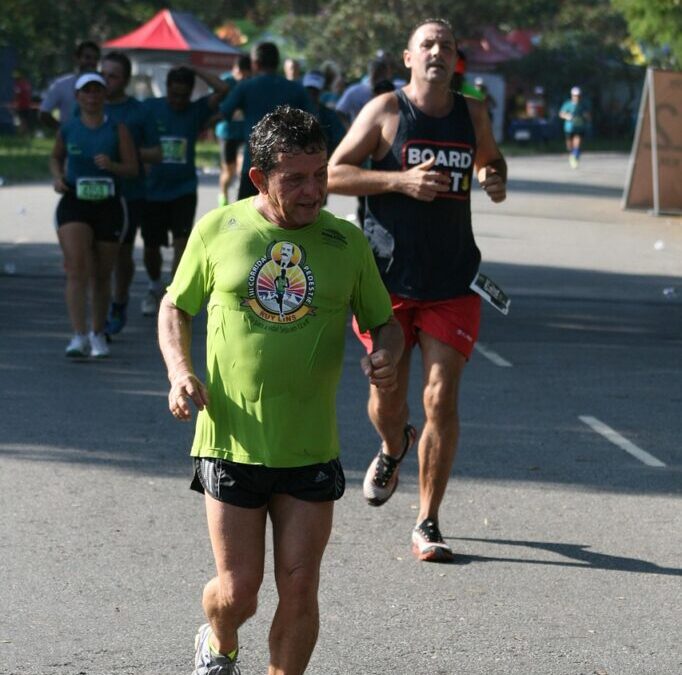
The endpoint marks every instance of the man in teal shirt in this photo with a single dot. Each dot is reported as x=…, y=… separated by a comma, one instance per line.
x=116, y=70
x=260, y=95
x=279, y=275
x=172, y=184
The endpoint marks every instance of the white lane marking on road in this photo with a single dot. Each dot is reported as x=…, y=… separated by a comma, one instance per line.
x=492, y=356
x=614, y=437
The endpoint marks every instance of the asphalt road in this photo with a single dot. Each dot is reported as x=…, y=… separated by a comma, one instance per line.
x=564, y=506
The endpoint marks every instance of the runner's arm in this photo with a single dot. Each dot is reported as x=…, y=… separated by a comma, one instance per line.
x=490, y=165
x=175, y=340
x=381, y=365
x=220, y=87
x=367, y=137
x=127, y=166
x=57, y=160
x=151, y=155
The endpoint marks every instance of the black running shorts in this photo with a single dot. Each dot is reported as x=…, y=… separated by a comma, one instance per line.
x=175, y=215
x=252, y=485
x=106, y=217
x=228, y=150
x=136, y=212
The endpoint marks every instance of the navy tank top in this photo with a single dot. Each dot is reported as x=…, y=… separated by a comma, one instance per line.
x=426, y=250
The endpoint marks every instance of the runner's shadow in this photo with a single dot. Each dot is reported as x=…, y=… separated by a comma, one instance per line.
x=577, y=552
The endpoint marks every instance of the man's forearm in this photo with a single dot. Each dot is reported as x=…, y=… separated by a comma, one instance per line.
x=389, y=336
x=500, y=166
x=175, y=339
x=347, y=179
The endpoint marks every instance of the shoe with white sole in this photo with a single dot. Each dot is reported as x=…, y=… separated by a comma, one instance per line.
x=206, y=662
x=150, y=304
x=428, y=544
x=79, y=346
x=99, y=349
x=381, y=479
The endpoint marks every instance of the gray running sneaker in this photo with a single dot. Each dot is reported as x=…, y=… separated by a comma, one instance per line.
x=428, y=543
x=150, y=304
x=207, y=663
x=79, y=346
x=381, y=478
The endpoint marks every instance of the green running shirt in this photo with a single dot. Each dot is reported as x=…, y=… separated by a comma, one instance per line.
x=278, y=303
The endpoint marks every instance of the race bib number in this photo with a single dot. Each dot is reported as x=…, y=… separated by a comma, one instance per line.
x=95, y=189
x=455, y=160
x=174, y=149
x=491, y=292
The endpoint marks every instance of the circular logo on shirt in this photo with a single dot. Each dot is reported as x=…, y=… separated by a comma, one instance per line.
x=281, y=284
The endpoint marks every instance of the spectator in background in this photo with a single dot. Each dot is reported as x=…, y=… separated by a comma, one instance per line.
x=334, y=131
x=230, y=134
x=459, y=82
x=23, y=96
x=482, y=89
x=61, y=93
x=576, y=117
x=292, y=70
x=258, y=96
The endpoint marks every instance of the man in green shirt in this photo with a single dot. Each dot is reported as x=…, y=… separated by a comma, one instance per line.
x=279, y=275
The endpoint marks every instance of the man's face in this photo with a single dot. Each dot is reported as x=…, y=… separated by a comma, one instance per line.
x=431, y=54
x=87, y=61
x=179, y=96
x=113, y=74
x=296, y=188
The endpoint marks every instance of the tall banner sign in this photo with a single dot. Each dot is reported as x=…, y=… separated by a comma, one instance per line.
x=654, y=180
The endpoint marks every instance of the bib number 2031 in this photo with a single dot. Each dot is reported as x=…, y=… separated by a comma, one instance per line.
x=95, y=189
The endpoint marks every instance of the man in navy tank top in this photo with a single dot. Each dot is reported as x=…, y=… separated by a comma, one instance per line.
x=425, y=144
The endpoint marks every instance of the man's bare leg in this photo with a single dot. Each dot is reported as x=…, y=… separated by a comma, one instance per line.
x=443, y=367
x=238, y=541
x=388, y=410
x=300, y=532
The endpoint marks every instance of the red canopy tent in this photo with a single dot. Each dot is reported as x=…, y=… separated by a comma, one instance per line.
x=169, y=39
x=170, y=31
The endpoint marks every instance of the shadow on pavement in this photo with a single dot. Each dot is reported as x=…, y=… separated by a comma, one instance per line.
x=517, y=185
x=578, y=552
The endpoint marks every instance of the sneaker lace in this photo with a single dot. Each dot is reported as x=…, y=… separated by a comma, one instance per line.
x=385, y=469
x=430, y=530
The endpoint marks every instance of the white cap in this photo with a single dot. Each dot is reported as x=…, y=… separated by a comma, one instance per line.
x=86, y=78
x=478, y=81
x=314, y=79
x=575, y=91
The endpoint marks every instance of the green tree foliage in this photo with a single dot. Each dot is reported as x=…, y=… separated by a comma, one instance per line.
x=657, y=23
x=350, y=31
x=583, y=44
x=46, y=34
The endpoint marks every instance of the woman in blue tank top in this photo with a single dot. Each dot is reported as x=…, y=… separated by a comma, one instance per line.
x=90, y=154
